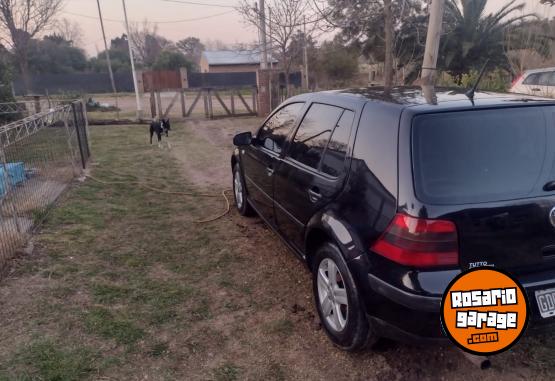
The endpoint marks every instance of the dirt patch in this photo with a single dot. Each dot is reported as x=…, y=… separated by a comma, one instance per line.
x=204, y=148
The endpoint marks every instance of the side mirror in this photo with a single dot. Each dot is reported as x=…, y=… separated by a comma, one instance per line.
x=242, y=139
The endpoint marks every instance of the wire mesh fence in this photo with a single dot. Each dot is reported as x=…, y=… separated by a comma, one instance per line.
x=10, y=111
x=39, y=156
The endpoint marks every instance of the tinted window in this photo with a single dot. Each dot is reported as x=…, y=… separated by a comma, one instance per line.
x=543, y=79
x=314, y=133
x=532, y=79
x=551, y=81
x=334, y=157
x=274, y=132
x=478, y=156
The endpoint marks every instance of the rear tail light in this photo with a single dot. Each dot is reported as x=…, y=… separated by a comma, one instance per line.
x=516, y=80
x=419, y=242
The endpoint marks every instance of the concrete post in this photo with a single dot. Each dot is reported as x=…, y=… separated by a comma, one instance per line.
x=429, y=68
x=263, y=83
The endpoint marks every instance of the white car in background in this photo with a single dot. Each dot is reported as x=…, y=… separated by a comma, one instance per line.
x=540, y=82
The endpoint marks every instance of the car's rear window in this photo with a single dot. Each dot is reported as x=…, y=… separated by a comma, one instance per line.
x=478, y=156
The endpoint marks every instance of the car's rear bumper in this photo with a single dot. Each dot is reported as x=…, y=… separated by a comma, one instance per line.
x=404, y=316
x=414, y=318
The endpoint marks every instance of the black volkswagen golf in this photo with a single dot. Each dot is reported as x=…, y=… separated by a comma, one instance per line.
x=388, y=196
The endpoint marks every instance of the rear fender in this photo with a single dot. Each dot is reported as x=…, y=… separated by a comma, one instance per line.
x=337, y=230
x=329, y=225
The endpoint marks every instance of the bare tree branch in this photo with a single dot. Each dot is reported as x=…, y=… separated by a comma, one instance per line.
x=23, y=20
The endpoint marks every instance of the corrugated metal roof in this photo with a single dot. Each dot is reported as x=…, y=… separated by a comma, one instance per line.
x=232, y=57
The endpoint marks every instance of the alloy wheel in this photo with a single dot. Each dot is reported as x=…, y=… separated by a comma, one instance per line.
x=332, y=295
x=238, y=189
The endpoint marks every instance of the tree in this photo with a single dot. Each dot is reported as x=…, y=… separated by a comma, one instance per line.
x=336, y=64
x=5, y=82
x=192, y=48
x=362, y=25
x=55, y=54
x=23, y=20
x=215, y=45
x=530, y=45
x=147, y=43
x=287, y=17
x=472, y=37
x=296, y=49
x=70, y=31
x=119, y=57
x=172, y=60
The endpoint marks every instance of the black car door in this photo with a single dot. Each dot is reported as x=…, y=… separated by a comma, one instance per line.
x=262, y=157
x=313, y=169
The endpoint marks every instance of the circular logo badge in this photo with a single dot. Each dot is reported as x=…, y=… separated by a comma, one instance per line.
x=484, y=311
x=552, y=216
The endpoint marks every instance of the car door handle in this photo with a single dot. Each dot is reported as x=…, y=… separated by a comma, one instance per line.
x=269, y=171
x=536, y=89
x=314, y=194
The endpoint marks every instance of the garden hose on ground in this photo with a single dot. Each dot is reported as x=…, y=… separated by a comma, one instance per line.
x=177, y=193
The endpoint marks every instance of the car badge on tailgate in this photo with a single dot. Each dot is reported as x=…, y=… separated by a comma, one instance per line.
x=552, y=216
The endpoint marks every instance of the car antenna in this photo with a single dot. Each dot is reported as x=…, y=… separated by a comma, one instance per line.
x=470, y=93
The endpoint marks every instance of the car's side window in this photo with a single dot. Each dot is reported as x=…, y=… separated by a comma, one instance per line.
x=551, y=81
x=274, y=132
x=532, y=79
x=314, y=133
x=543, y=79
x=334, y=157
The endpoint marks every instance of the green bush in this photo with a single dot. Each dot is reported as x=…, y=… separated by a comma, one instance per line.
x=495, y=80
x=6, y=94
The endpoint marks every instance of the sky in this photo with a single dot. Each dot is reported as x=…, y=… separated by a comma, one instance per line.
x=217, y=21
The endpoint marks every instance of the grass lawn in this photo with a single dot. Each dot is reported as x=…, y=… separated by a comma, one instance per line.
x=123, y=284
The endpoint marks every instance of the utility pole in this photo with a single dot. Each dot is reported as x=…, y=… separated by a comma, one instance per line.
x=388, y=62
x=271, y=56
x=429, y=66
x=305, y=53
x=108, y=58
x=271, y=42
x=135, y=84
x=262, y=14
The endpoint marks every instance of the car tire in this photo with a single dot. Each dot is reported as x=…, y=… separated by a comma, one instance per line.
x=240, y=193
x=338, y=301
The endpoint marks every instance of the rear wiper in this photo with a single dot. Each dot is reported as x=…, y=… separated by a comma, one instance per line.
x=549, y=186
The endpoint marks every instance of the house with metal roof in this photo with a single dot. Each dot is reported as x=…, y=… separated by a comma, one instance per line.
x=229, y=61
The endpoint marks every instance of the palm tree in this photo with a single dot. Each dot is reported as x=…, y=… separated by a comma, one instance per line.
x=472, y=37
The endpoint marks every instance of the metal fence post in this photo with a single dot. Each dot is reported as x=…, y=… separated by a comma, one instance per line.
x=79, y=137
x=69, y=145
x=86, y=120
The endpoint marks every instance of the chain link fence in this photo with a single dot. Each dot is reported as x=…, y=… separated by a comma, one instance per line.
x=39, y=157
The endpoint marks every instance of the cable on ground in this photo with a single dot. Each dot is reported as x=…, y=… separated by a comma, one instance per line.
x=177, y=193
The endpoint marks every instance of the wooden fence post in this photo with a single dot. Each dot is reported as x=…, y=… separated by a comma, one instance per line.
x=205, y=99
x=232, y=103
x=152, y=105
x=159, y=103
x=183, y=105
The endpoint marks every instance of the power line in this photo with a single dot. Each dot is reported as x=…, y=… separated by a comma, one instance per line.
x=154, y=22
x=196, y=3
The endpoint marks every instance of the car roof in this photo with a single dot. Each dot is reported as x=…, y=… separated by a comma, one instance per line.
x=541, y=70
x=428, y=99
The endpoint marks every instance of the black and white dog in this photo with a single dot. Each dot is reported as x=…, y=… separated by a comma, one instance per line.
x=160, y=127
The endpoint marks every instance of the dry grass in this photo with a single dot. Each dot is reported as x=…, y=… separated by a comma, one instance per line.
x=123, y=285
